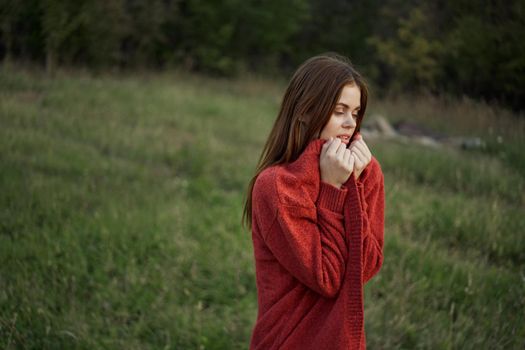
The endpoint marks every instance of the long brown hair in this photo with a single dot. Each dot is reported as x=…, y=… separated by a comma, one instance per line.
x=307, y=105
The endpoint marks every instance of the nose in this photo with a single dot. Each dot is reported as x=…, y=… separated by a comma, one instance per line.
x=350, y=122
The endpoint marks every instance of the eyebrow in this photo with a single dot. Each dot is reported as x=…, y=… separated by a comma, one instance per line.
x=347, y=106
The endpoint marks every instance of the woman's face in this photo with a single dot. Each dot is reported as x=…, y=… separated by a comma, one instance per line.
x=343, y=121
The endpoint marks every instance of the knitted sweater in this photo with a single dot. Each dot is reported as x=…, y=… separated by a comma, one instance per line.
x=315, y=246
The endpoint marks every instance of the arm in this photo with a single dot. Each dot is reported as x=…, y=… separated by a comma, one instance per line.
x=371, y=193
x=306, y=238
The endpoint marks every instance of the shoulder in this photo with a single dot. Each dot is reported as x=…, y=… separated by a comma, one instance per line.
x=278, y=186
x=264, y=184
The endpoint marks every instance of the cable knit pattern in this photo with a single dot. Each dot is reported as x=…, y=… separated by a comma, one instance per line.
x=315, y=246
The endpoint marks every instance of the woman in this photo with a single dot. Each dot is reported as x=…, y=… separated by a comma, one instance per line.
x=316, y=208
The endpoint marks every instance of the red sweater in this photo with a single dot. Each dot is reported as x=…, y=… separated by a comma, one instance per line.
x=315, y=246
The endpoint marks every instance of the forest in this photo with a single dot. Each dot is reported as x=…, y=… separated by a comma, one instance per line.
x=473, y=48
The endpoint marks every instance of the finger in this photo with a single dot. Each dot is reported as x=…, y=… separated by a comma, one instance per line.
x=366, y=153
x=333, y=147
x=360, y=154
x=359, y=160
x=340, y=151
x=358, y=163
x=346, y=158
x=325, y=146
x=351, y=162
x=363, y=148
x=353, y=143
x=347, y=155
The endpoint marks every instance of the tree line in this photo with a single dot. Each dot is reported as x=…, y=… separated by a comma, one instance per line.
x=461, y=47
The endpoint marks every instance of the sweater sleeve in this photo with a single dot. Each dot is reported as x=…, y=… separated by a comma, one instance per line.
x=306, y=237
x=372, y=198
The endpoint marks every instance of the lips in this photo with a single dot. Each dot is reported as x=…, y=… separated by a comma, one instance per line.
x=344, y=138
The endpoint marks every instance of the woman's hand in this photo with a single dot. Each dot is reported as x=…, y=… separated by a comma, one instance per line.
x=361, y=154
x=336, y=162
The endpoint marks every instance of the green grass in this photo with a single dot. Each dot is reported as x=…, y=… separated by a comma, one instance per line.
x=120, y=205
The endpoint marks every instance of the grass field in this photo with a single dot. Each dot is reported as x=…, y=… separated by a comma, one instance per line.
x=120, y=206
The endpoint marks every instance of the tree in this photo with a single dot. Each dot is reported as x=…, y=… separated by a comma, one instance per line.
x=411, y=57
x=59, y=20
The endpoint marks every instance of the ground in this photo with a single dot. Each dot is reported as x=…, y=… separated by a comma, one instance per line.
x=120, y=216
